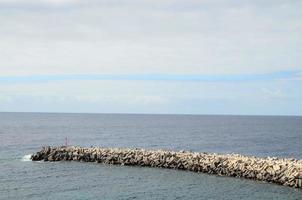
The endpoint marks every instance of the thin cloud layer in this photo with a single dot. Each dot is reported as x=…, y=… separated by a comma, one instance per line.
x=266, y=97
x=283, y=75
x=205, y=37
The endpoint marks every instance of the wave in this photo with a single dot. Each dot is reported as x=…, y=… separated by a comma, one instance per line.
x=26, y=158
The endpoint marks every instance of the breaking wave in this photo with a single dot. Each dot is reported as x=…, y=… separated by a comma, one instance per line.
x=26, y=158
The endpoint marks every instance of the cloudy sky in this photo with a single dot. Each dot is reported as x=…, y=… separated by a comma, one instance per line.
x=151, y=56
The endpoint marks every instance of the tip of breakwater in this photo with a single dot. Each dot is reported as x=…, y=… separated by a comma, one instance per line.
x=281, y=171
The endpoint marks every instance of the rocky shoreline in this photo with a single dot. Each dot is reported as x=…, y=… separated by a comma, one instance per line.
x=286, y=172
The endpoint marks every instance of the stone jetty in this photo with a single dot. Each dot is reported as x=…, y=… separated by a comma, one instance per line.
x=286, y=172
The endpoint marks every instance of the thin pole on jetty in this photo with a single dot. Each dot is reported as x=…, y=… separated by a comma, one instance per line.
x=66, y=142
x=281, y=171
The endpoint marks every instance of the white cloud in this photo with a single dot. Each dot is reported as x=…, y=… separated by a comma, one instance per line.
x=272, y=93
x=150, y=37
x=150, y=100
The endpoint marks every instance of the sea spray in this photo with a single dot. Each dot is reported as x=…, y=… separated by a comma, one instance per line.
x=26, y=158
x=286, y=172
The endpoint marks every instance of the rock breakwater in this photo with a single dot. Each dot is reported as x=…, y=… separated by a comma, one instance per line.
x=286, y=172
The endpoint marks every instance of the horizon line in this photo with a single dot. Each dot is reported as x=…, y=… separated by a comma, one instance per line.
x=124, y=113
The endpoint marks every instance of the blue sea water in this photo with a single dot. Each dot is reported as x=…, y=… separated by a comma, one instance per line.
x=24, y=133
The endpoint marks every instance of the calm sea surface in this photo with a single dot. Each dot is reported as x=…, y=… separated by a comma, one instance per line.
x=24, y=133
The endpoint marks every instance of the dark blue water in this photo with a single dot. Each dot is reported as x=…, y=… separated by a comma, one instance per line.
x=25, y=133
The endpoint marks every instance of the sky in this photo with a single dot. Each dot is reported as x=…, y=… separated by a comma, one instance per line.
x=151, y=56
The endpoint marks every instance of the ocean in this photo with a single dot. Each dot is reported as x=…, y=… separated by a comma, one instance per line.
x=22, y=134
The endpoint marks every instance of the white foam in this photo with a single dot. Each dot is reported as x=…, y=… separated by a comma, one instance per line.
x=26, y=158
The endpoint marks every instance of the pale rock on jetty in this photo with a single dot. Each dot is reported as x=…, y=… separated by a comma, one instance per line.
x=281, y=171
